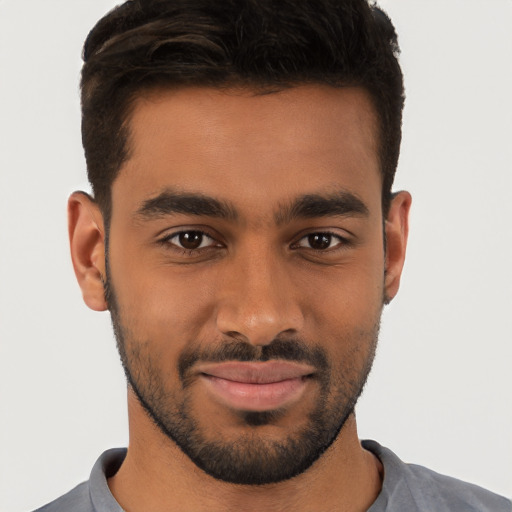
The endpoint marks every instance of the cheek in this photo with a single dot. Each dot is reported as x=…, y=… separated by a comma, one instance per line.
x=160, y=304
x=346, y=296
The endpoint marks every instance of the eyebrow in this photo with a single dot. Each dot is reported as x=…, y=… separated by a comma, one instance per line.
x=341, y=203
x=170, y=202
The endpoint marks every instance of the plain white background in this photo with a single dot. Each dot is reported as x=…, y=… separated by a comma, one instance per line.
x=440, y=392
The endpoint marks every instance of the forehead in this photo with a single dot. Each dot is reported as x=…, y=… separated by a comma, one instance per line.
x=246, y=147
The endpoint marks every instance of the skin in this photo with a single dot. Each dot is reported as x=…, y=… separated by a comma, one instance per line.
x=257, y=280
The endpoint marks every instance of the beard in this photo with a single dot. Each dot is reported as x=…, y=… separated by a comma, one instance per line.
x=251, y=457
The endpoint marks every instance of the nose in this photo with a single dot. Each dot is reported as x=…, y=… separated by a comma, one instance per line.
x=257, y=298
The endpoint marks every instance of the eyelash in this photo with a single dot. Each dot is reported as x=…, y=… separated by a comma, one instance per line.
x=167, y=242
x=342, y=241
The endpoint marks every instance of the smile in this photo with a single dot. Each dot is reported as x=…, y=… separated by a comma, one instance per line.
x=256, y=386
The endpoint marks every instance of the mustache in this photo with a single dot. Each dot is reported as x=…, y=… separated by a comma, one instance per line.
x=290, y=350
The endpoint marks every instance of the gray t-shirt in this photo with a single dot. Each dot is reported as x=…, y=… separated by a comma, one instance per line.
x=406, y=487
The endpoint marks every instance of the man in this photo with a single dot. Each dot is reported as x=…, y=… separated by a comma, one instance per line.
x=244, y=237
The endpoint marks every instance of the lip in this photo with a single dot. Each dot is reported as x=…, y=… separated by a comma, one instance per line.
x=256, y=387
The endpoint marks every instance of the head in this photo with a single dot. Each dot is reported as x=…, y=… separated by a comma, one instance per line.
x=241, y=155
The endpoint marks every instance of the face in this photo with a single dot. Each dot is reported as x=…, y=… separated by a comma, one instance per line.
x=246, y=271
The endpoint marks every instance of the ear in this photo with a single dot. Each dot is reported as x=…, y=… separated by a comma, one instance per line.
x=396, y=229
x=87, y=242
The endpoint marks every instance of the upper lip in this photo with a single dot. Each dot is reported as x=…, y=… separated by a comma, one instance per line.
x=256, y=372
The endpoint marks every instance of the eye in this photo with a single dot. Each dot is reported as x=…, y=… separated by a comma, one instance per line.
x=190, y=240
x=320, y=241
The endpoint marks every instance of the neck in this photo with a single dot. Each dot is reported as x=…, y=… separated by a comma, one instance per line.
x=157, y=476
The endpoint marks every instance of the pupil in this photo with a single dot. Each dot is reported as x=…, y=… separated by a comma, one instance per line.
x=319, y=241
x=191, y=239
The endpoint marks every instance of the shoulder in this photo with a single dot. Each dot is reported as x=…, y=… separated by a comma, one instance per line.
x=93, y=495
x=430, y=487
x=413, y=487
x=77, y=500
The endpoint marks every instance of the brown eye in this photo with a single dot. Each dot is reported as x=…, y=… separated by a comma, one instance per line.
x=319, y=241
x=190, y=240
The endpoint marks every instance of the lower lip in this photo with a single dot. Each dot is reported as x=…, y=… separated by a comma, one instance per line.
x=256, y=397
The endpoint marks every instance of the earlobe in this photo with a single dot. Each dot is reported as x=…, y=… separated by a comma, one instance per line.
x=87, y=243
x=397, y=230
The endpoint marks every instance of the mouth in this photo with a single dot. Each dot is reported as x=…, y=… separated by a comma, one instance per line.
x=256, y=387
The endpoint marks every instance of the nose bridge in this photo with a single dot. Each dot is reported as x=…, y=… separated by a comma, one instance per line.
x=257, y=297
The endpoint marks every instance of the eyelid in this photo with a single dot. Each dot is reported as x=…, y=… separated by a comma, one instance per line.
x=168, y=235
x=343, y=241
x=205, y=237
